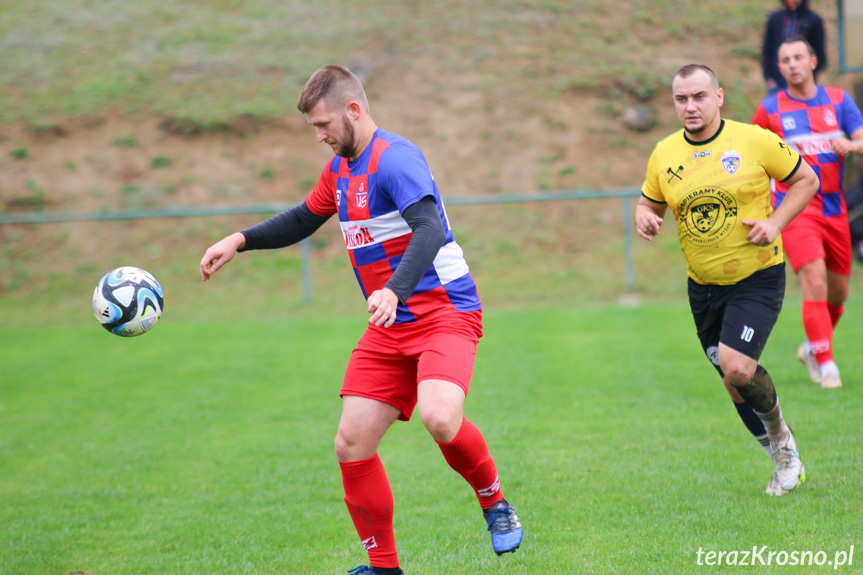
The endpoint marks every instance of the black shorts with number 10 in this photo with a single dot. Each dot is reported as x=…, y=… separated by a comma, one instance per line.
x=741, y=315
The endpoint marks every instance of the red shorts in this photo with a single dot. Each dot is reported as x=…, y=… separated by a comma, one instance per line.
x=388, y=363
x=808, y=238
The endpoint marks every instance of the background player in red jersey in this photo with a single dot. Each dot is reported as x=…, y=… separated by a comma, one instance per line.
x=426, y=317
x=818, y=121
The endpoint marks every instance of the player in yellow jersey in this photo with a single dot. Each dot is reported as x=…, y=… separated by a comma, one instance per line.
x=715, y=174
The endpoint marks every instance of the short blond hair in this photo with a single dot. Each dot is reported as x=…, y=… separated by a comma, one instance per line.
x=336, y=86
x=690, y=69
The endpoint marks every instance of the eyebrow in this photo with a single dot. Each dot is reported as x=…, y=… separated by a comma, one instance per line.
x=702, y=92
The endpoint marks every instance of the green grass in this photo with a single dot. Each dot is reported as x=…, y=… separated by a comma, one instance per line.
x=210, y=61
x=206, y=447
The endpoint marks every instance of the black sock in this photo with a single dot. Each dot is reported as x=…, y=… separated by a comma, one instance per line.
x=751, y=420
x=387, y=570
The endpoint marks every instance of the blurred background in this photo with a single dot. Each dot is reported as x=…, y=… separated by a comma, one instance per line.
x=114, y=106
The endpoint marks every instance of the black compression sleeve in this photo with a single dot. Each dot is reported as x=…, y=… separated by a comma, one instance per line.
x=283, y=229
x=426, y=241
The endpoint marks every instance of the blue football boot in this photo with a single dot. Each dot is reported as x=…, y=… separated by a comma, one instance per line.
x=504, y=526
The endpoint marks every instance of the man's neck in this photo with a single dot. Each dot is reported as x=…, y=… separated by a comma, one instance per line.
x=366, y=135
x=706, y=134
x=804, y=92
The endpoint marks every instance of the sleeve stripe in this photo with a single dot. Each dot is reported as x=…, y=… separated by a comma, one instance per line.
x=652, y=201
x=794, y=171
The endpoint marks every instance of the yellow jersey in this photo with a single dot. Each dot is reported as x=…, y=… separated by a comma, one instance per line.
x=711, y=187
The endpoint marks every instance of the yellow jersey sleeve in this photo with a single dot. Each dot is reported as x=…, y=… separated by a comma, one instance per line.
x=651, y=188
x=780, y=160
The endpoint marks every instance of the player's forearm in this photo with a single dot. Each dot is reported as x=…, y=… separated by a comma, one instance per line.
x=645, y=207
x=283, y=229
x=427, y=238
x=800, y=192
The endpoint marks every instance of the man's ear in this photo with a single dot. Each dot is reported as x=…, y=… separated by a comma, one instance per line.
x=353, y=110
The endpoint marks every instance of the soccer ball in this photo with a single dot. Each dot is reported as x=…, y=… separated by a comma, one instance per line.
x=128, y=301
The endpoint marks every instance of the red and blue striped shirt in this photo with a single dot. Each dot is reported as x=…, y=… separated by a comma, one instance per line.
x=369, y=195
x=811, y=126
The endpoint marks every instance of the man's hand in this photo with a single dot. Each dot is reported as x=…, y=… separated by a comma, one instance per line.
x=647, y=225
x=221, y=253
x=844, y=146
x=383, y=305
x=762, y=232
x=648, y=219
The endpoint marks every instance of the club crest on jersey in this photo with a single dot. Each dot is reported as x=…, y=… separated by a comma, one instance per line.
x=788, y=123
x=731, y=162
x=338, y=198
x=707, y=215
x=829, y=117
x=362, y=196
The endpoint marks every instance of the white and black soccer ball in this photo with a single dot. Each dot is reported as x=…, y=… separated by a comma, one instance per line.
x=128, y=301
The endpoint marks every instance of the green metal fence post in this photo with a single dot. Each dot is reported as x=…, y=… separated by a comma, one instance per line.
x=627, y=240
x=306, y=249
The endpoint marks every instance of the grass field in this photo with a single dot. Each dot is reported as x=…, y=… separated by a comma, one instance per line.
x=206, y=447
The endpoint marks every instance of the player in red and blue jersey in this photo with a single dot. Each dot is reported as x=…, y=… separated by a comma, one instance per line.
x=824, y=124
x=369, y=197
x=426, y=316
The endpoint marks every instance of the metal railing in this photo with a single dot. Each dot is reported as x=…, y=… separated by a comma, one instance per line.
x=305, y=245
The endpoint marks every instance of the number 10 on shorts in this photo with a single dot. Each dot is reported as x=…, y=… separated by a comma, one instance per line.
x=747, y=334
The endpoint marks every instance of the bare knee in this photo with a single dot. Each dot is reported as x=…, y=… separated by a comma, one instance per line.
x=737, y=368
x=344, y=447
x=738, y=373
x=816, y=288
x=350, y=447
x=440, y=405
x=813, y=280
x=837, y=296
x=759, y=392
x=362, y=425
x=441, y=422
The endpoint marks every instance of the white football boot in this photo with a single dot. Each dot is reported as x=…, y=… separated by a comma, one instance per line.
x=830, y=379
x=807, y=358
x=789, y=471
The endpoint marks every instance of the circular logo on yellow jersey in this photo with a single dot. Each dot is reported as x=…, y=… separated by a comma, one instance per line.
x=707, y=215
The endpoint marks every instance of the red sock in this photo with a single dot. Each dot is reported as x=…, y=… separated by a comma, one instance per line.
x=819, y=329
x=370, y=501
x=468, y=454
x=835, y=313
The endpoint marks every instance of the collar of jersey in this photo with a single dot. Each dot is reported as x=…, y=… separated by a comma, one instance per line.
x=705, y=142
x=367, y=150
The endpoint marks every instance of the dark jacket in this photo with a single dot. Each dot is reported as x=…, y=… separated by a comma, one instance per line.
x=784, y=25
